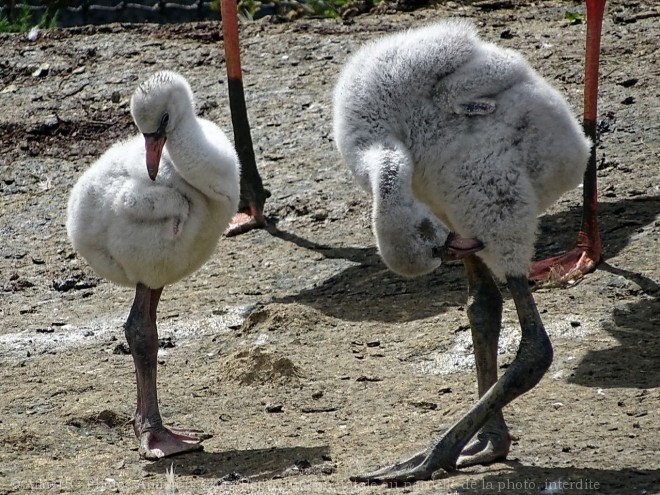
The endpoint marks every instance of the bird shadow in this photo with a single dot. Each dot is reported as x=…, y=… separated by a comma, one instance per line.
x=634, y=362
x=368, y=291
x=515, y=478
x=236, y=466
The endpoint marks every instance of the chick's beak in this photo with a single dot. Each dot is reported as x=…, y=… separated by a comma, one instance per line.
x=457, y=247
x=154, y=146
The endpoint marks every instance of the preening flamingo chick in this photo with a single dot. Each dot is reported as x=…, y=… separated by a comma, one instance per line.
x=146, y=228
x=457, y=139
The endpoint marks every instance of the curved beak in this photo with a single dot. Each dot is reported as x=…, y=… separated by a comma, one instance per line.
x=457, y=247
x=154, y=143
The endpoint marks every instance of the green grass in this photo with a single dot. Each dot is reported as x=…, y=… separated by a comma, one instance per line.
x=316, y=8
x=22, y=23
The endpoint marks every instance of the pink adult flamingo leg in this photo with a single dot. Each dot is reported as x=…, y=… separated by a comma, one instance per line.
x=586, y=254
x=253, y=195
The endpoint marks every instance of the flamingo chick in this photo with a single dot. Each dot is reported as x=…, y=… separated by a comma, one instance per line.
x=451, y=134
x=149, y=228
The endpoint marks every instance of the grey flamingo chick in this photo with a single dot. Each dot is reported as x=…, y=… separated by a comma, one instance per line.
x=147, y=228
x=453, y=135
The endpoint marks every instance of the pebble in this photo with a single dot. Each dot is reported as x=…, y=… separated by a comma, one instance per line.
x=42, y=71
x=320, y=215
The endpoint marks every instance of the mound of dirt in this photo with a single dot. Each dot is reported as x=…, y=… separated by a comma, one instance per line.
x=259, y=367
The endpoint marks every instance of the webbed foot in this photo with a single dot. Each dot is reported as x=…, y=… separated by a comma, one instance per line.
x=565, y=269
x=488, y=446
x=416, y=468
x=163, y=442
x=244, y=221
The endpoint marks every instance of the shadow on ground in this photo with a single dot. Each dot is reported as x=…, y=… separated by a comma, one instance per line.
x=635, y=361
x=234, y=465
x=368, y=291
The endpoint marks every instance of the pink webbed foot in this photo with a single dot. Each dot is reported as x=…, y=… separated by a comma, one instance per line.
x=570, y=267
x=245, y=220
x=565, y=269
x=164, y=442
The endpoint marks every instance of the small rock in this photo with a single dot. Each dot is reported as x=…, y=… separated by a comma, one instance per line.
x=364, y=378
x=275, y=408
x=121, y=349
x=42, y=71
x=34, y=34
x=628, y=83
x=629, y=100
x=425, y=405
x=373, y=343
x=232, y=478
x=116, y=97
x=507, y=34
x=320, y=215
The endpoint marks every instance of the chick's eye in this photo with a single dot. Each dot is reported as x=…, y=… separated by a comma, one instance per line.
x=165, y=119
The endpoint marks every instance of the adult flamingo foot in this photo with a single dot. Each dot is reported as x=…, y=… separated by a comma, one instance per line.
x=249, y=217
x=567, y=268
x=245, y=221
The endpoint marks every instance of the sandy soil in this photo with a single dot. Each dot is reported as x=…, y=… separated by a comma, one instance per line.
x=294, y=346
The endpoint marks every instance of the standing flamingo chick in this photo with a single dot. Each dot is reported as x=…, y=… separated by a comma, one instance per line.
x=453, y=135
x=149, y=228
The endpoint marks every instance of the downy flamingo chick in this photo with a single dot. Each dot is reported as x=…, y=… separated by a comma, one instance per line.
x=457, y=139
x=149, y=228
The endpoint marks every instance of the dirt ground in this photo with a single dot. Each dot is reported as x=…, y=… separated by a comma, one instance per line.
x=294, y=346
